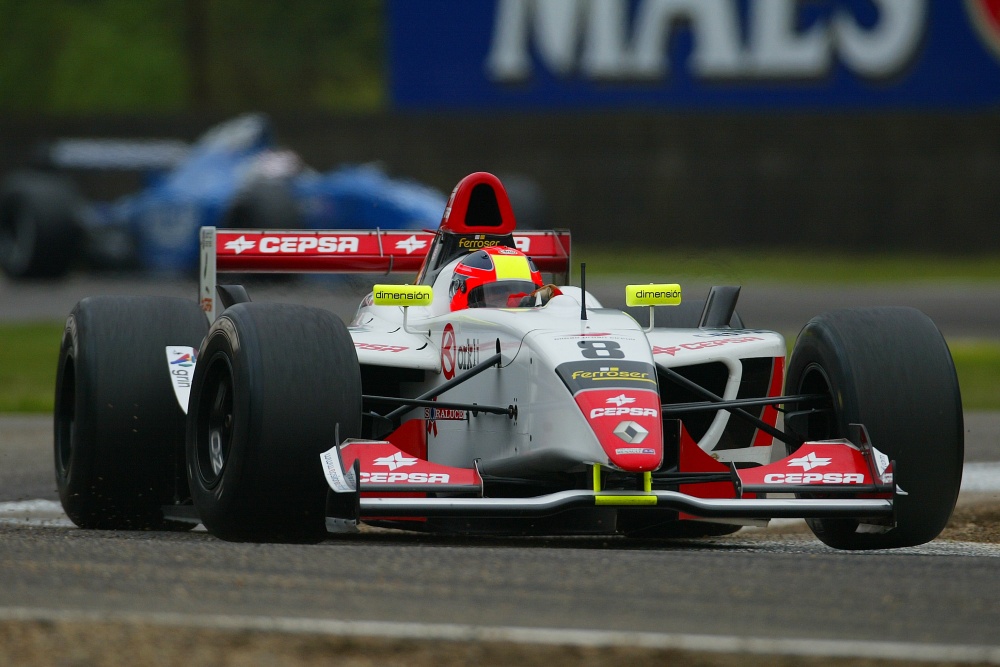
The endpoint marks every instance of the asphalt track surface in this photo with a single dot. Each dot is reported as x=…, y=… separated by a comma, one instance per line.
x=771, y=593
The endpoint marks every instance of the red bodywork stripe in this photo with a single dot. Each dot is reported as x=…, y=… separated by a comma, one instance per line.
x=694, y=459
x=411, y=438
x=770, y=414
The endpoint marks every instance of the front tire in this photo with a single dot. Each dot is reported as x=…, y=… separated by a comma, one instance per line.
x=890, y=370
x=119, y=432
x=275, y=386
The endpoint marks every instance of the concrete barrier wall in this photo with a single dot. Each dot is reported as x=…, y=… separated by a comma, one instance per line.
x=813, y=180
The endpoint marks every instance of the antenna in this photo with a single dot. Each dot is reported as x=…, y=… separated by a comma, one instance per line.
x=583, y=290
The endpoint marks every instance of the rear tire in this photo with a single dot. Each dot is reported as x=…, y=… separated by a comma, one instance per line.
x=119, y=432
x=275, y=386
x=39, y=227
x=890, y=370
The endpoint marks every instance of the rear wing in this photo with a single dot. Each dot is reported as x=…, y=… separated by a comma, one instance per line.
x=344, y=251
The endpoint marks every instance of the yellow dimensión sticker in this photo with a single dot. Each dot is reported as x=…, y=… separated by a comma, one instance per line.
x=665, y=294
x=402, y=295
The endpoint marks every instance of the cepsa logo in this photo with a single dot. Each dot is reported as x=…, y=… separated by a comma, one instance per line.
x=619, y=412
x=814, y=478
x=762, y=40
x=294, y=244
x=404, y=478
x=703, y=344
x=378, y=347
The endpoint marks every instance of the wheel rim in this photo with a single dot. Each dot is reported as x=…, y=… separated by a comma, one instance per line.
x=215, y=421
x=65, y=418
x=823, y=424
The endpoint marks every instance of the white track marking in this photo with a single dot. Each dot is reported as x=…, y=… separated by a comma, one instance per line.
x=981, y=477
x=34, y=513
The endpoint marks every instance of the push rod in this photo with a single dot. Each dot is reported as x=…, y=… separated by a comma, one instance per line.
x=417, y=403
x=703, y=406
x=739, y=412
x=450, y=384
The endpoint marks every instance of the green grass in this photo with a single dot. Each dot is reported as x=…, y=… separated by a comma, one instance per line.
x=29, y=352
x=787, y=266
x=978, y=366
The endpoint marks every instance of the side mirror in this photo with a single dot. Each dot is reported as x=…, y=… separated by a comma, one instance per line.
x=665, y=294
x=405, y=296
x=402, y=295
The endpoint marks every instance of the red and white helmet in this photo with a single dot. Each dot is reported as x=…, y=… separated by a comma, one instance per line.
x=494, y=277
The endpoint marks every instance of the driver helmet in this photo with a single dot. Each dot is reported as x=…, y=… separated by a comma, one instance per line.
x=494, y=277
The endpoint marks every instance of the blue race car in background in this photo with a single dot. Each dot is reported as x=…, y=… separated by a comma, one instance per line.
x=234, y=176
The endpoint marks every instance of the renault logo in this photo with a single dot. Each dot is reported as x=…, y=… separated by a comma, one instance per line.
x=630, y=432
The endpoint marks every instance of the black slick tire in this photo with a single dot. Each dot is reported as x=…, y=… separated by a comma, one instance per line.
x=275, y=386
x=39, y=228
x=890, y=370
x=119, y=431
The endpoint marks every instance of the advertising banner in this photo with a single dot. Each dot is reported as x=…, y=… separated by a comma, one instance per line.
x=694, y=54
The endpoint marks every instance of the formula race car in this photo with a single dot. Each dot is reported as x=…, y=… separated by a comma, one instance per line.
x=234, y=176
x=485, y=399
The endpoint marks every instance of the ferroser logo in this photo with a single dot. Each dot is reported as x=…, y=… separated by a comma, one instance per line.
x=985, y=17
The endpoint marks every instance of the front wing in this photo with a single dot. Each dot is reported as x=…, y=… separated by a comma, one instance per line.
x=374, y=480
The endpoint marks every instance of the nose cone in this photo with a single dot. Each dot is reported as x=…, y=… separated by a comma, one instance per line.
x=628, y=425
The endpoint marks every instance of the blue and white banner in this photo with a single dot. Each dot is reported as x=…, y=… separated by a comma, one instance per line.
x=694, y=54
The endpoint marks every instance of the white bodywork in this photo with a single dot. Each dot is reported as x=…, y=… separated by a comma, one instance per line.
x=549, y=431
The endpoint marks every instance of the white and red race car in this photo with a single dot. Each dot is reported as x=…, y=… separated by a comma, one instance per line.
x=482, y=400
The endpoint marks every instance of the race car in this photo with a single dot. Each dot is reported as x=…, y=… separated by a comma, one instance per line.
x=491, y=395
x=234, y=176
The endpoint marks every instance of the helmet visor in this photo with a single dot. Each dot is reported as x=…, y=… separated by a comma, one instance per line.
x=498, y=294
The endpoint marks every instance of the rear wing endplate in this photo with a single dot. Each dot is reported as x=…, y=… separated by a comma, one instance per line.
x=343, y=251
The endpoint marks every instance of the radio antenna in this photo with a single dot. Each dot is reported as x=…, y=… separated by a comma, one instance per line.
x=583, y=290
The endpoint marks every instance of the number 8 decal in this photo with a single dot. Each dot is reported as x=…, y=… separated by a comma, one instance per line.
x=601, y=349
